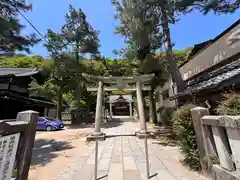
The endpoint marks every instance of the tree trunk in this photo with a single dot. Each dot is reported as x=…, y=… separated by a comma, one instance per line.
x=176, y=76
x=59, y=103
x=152, y=107
x=59, y=93
x=78, y=92
x=78, y=100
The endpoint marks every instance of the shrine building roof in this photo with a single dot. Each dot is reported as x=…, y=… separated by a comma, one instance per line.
x=18, y=71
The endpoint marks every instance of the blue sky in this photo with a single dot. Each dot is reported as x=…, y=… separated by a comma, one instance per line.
x=191, y=29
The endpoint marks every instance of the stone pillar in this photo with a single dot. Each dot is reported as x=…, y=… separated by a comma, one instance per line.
x=141, y=111
x=130, y=108
x=205, y=142
x=110, y=109
x=24, y=152
x=103, y=108
x=98, y=115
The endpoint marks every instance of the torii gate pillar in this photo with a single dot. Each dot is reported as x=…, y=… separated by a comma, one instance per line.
x=97, y=134
x=141, y=111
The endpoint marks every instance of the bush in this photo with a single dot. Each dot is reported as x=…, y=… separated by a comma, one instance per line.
x=230, y=105
x=166, y=115
x=184, y=130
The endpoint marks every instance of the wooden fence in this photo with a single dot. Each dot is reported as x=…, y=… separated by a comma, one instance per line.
x=218, y=140
x=16, y=144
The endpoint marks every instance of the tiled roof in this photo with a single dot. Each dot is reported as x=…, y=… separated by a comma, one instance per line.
x=18, y=96
x=114, y=98
x=196, y=49
x=18, y=71
x=215, y=78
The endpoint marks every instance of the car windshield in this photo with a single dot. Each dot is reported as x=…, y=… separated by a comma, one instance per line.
x=50, y=119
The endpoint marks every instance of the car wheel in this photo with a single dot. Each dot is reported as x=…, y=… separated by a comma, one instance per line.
x=49, y=128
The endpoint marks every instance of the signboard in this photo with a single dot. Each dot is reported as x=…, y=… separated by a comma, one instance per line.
x=66, y=116
x=120, y=84
x=8, y=149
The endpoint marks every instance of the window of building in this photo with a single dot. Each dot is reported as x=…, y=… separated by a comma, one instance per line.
x=165, y=95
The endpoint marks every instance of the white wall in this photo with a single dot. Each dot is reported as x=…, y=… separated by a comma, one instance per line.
x=161, y=102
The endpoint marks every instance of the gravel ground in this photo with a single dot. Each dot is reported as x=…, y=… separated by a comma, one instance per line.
x=54, y=151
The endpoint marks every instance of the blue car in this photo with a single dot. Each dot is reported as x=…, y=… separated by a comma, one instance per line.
x=49, y=124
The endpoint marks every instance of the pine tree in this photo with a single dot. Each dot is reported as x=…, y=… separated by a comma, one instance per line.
x=82, y=39
x=57, y=48
x=10, y=27
x=139, y=24
x=135, y=15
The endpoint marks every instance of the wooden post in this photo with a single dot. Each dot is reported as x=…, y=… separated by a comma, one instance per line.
x=26, y=143
x=197, y=113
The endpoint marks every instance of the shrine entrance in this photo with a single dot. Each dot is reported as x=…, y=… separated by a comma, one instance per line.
x=120, y=106
x=124, y=83
x=135, y=83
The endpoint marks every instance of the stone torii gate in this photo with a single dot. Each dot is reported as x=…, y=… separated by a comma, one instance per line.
x=119, y=83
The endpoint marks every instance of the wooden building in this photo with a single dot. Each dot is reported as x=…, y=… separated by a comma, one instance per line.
x=120, y=105
x=212, y=68
x=14, y=96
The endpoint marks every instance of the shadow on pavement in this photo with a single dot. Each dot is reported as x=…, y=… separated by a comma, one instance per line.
x=155, y=174
x=109, y=124
x=166, y=137
x=120, y=135
x=112, y=123
x=45, y=150
x=102, y=177
x=79, y=126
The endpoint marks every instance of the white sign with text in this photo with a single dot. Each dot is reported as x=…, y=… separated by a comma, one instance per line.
x=8, y=150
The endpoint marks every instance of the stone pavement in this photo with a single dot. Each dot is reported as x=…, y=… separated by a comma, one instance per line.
x=123, y=158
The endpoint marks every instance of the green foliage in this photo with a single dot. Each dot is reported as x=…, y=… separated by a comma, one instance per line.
x=78, y=33
x=10, y=27
x=211, y=159
x=139, y=24
x=230, y=105
x=55, y=44
x=68, y=48
x=183, y=127
x=80, y=39
x=117, y=67
x=166, y=115
x=160, y=67
x=47, y=90
x=21, y=61
x=204, y=6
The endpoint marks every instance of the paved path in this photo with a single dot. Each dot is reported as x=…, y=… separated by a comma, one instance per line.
x=122, y=158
